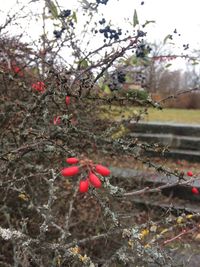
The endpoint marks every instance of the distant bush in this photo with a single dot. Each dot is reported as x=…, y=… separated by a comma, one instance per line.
x=185, y=101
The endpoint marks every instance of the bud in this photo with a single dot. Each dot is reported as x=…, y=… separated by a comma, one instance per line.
x=189, y=173
x=83, y=186
x=67, y=100
x=94, y=180
x=72, y=160
x=195, y=191
x=70, y=171
x=102, y=170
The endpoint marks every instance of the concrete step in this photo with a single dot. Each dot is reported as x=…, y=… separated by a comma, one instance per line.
x=170, y=140
x=189, y=155
x=165, y=128
x=154, y=180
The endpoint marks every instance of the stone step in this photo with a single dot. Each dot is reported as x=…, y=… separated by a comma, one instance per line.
x=170, y=140
x=165, y=128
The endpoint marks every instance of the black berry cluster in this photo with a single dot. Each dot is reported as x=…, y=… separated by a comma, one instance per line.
x=102, y=2
x=117, y=79
x=102, y=21
x=113, y=85
x=65, y=13
x=57, y=34
x=121, y=77
x=142, y=50
x=110, y=33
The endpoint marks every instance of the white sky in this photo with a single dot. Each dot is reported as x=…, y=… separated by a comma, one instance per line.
x=168, y=14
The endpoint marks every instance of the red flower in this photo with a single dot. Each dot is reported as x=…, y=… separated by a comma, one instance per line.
x=195, y=191
x=67, y=100
x=83, y=186
x=102, y=170
x=39, y=86
x=94, y=180
x=190, y=173
x=72, y=160
x=70, y=171
x=57, y=120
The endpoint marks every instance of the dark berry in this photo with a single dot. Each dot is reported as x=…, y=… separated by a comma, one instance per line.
x=63, y=29
x=57, y=34
x=65, y=13
x=107, y=28
x=106, y=34
x=116, y=36
x=141, y=33
x=121, y=77
x=102, y=21
x=71, y=24
x=119, y=31
x=102, y=2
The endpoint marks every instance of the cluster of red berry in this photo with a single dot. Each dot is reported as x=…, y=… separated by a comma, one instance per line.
x=92, y=171
x=39, y=86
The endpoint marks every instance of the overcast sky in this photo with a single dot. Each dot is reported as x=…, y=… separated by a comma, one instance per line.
x=182, y=15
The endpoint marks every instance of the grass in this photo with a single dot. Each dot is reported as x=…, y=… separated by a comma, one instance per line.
x=188, y=116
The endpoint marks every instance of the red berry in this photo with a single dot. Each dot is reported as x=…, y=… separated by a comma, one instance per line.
x=72, y=160
x=70, y=171
x=94, y=180
x=83, y=186
x=102, y=170
x=18, y=71
x=67, y=100
x=57, y=120
x=190, y=173
x=195, y=191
